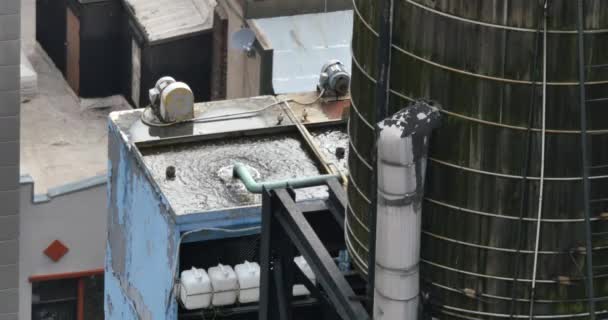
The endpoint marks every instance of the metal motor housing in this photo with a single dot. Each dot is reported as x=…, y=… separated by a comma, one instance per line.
x=334, y=78
x=171, y=101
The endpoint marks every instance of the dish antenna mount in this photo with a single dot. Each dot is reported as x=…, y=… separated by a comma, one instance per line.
x=243, y=40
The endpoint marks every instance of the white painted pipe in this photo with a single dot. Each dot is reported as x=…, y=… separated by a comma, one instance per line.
x=402, y=154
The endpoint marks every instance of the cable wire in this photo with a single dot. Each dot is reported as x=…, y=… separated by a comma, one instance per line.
x=233, y=116
x=310, y=102
x=526, y=165
x=542, y=166
x=238, y=115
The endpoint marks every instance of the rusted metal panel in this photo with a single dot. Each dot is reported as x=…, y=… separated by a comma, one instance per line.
x=73, y=50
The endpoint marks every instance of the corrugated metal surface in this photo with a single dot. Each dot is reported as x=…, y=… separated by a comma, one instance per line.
x=302, y=44
x=166, y=19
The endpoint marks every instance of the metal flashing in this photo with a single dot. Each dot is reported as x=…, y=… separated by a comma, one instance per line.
x=63, y=190
x=161, y=20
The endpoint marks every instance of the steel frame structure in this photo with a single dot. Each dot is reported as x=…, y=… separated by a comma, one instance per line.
x=285, y=233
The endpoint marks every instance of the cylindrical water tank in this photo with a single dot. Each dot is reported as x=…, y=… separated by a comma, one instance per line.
x=477, y=59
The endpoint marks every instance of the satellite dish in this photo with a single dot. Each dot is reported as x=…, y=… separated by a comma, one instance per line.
x=243, y=40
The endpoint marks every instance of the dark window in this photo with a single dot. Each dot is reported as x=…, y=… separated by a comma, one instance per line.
x=59, y=299
x=54, y=300
x=93, y=298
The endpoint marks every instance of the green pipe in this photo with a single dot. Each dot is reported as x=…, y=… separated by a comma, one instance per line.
x=241, y=172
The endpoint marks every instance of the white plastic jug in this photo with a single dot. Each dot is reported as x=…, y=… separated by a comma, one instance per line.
x=225, y=285
x=248, y=275
x=195, y=289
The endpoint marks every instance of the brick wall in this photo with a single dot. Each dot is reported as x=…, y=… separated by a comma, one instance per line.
x=9, y=156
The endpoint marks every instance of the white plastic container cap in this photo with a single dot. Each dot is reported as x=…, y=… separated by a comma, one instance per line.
x=195, y=289
x=300, y=289
x=248, y=275
x=225, y=285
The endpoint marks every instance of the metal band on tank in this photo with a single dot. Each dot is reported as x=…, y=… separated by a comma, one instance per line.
x=354, y=106
x=358, y=261
x=491, y=296
x=481, y=23
x=493, y=78
x=361, y=266
x=356, y=10
x=354, y=183
x=509, y=176
x=503, y=315
x=352, y=248
x=481, y=275
x=498, y=26
x=359, y=156
x=356, y=62
x=496, y=124
x=477, y=120
x=364, y=247
x=481, y=76
x=366, y=228
x=508, y=217
x=478, y=246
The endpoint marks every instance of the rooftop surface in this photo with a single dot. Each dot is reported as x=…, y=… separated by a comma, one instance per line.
x=167, y=19
x=204, y=154
x=302, y=44
x=61, y=141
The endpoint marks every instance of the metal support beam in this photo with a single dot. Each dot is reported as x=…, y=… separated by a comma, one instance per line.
x=285, y=229
x=337, y=201
x=381, y=99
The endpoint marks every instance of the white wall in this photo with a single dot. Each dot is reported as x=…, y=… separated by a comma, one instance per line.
x=74, y=214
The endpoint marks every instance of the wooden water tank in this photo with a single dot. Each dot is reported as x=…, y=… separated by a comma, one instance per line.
x=477, y=59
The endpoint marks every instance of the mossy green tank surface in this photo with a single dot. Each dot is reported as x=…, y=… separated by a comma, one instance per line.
x=482, y=61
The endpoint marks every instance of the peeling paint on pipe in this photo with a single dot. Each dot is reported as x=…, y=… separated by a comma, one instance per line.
x=402, y=154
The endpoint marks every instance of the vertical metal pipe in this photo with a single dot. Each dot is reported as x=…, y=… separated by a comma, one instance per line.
x=381, y=107
x=541, y=182
x=402, y=157
x=584, y=158
x=523, y=204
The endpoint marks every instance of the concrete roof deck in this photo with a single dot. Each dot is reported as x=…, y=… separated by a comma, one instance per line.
x=61, y=141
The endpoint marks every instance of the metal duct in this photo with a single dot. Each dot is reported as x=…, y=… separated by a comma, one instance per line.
x=402, y=154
